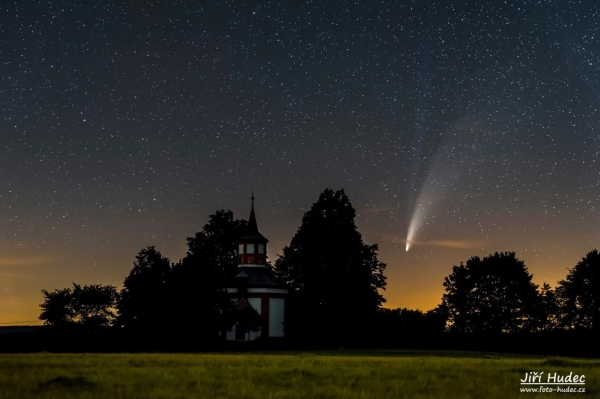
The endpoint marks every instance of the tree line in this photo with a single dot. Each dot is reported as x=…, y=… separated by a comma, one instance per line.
x=496, y=295
x=160, y=299
x=335, y=282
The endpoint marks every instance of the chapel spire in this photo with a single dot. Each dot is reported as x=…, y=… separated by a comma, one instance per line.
x=252, y=225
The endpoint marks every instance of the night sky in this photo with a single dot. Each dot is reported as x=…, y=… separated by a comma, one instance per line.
x=473, y=125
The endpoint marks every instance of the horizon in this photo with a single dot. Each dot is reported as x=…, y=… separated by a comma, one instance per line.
x=415, y=302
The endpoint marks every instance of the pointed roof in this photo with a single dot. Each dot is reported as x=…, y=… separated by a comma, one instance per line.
x=252, y=233
x=252, y=226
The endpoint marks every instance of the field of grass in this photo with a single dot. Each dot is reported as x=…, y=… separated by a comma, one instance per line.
x=414, y=375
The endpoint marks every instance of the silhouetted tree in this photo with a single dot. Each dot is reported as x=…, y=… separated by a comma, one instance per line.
x=198, y=291
x=335, y=278
x=57, y=308
x=199, y=280
x=216, y=243
x=436, y=319
x=90, y=307
x=402, y=321
x=493, y=295
x=94, y=305
x=579, y=294
x=144, y=301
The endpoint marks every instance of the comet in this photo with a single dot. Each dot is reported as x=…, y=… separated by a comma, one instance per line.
x=436, y=165
x=443, y=176
x=432, y=192
x=415, y=223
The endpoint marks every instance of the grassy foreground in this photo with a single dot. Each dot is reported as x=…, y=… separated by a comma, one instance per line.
x=354, y=375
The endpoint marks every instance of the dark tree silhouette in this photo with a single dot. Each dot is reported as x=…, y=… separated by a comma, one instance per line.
x=335, y=278
x=57, y=309
x=94, y=305
x=216, y=243
x=404, y=327
x=199, y=280
x=90, y=307
x=144, y=301
x=436, y=319
x=402, y=321
x=492, y=295
x=579, y=294
x=197, y=289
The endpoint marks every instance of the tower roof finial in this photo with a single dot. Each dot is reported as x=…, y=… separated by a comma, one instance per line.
x=252, y=231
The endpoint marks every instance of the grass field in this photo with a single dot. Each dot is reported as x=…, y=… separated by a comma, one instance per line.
x=418, y=374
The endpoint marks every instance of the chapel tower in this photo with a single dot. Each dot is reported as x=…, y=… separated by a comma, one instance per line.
x=255, y=285
x=252, y=246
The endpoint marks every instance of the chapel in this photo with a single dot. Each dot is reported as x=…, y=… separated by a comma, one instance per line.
x=255, y=285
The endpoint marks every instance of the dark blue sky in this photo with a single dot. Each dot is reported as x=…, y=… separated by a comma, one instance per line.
x=126, y=123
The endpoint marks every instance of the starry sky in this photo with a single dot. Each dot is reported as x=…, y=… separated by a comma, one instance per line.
x=126, y=123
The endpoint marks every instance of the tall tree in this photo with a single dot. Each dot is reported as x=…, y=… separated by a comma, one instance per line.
x=145, y=302
x=579, y=294
x=215, y=245
x=493, y=295
x=335, y=278
x=199, y=280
